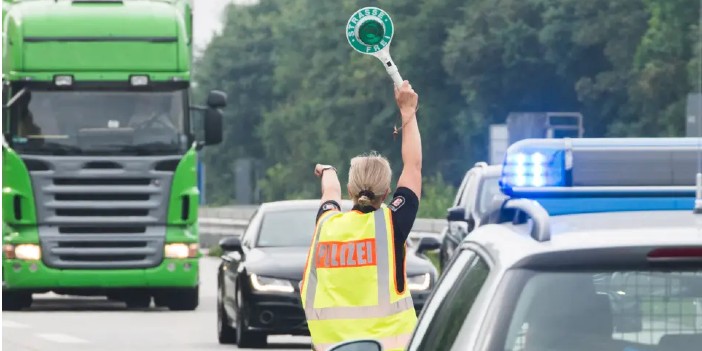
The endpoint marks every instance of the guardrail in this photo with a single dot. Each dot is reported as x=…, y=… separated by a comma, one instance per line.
x=216, y=223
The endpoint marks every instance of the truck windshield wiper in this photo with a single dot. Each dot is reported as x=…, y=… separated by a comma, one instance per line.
x=15, y=98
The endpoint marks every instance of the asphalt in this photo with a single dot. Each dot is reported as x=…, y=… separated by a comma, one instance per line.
x=58, y=323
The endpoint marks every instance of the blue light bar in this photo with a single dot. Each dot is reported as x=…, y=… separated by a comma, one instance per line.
x=593, y=167
x=556, y=206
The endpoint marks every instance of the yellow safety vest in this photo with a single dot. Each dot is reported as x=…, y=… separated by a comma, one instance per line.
x=349, y=289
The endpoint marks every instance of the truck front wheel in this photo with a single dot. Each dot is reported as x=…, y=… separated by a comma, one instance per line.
x=184, y=299
x=15, y=300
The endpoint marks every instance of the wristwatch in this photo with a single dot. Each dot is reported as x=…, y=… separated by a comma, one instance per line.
x=327, y=168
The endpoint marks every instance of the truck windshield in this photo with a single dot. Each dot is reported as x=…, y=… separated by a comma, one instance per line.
x=99, y=122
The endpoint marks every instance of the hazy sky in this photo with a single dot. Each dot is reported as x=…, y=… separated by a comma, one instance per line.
x=207, y=18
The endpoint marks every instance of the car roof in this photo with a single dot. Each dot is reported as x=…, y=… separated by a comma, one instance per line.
x=510, y=244
x=306, y=204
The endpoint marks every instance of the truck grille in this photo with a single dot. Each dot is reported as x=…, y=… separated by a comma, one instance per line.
x=102, y=217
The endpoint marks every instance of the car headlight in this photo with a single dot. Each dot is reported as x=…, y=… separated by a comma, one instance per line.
x=419, y=282
x=31, y=252
x=181, y=250
x=271, y=284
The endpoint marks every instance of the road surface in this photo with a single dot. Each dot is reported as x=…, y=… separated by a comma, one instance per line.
x=60, y=323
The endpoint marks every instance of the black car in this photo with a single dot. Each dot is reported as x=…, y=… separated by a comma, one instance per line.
x=259, y=275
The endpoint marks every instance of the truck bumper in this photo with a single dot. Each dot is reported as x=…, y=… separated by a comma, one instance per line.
x=37, y=277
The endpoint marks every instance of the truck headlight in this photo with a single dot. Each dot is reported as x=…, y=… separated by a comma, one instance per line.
x=30, y=252
x=419, y=282
x=271, y=284
x=181, y=250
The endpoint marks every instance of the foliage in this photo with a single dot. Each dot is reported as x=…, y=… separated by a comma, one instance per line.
x=436, y=197
x=299, y=95
x=215, y=251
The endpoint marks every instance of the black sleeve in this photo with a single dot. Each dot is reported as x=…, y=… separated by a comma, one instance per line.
x=404, y=206
x=327, y=206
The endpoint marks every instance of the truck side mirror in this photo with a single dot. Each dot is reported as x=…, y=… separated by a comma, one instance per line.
x=216, y=99
x=213, y=126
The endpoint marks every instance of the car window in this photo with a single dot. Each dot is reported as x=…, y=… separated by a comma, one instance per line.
x=251, y=229
x=288, y=228
x=488, y=189
x=623, y=310
x=448, y=318
x=443, y=286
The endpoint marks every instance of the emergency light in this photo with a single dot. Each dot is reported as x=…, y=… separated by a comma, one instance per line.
x=666, y=167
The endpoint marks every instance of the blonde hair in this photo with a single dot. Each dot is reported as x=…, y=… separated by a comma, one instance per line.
x=369, y=179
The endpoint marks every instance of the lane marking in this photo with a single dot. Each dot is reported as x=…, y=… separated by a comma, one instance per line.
x=62, y=338
x=13, y=324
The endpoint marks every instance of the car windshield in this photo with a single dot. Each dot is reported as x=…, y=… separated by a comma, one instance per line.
x=488, y=189
x=99, y=122
x=605, y=310
x=290, y=228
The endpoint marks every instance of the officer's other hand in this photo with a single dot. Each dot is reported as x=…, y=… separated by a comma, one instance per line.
x=319, y=168
x=406, y=99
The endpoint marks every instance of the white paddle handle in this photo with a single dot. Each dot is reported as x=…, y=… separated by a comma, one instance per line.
x=394, y=73
x=384, y=57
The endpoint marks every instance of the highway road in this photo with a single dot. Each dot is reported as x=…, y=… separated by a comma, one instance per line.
x=62, y=323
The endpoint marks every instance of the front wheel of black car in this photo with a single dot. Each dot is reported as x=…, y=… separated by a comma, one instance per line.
x=246, y=338
x=225, y=333
x=184, y=299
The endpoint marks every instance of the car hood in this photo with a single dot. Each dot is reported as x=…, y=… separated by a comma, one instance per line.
x=289, y=262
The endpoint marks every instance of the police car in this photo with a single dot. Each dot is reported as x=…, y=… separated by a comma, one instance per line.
x=596, y=245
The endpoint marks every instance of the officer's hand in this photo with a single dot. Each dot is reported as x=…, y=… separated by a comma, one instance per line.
x=406, y=99
x=319, y=168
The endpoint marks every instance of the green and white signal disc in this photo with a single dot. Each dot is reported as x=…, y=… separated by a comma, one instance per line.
x=369, y=30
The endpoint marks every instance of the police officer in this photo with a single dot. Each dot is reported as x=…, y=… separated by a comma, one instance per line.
x=354, y=284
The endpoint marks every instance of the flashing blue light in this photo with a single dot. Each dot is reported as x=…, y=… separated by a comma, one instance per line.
x=534, y=167
x=563, y=167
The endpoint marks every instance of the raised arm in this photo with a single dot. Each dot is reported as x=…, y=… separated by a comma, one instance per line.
x=331, y=188
x=411, y=176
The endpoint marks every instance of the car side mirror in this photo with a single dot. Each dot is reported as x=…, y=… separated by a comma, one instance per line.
x=456, y=214
x=471, y=224
x=213, y=126
x=428, y=243
x=230, y=244
x=216, y=99
x=358, y=345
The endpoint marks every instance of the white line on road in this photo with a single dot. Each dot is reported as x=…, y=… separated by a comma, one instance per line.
x=12, y=324
x=62, y=338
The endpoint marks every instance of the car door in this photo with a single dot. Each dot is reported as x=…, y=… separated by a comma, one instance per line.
x=235, y=260
x=451, y=303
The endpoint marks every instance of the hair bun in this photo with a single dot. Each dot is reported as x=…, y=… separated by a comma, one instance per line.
x=366, y=193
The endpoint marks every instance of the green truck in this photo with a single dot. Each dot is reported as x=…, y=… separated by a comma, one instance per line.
x=100, y=151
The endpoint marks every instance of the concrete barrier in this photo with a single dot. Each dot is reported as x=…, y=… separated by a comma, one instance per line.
x=218, y=222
